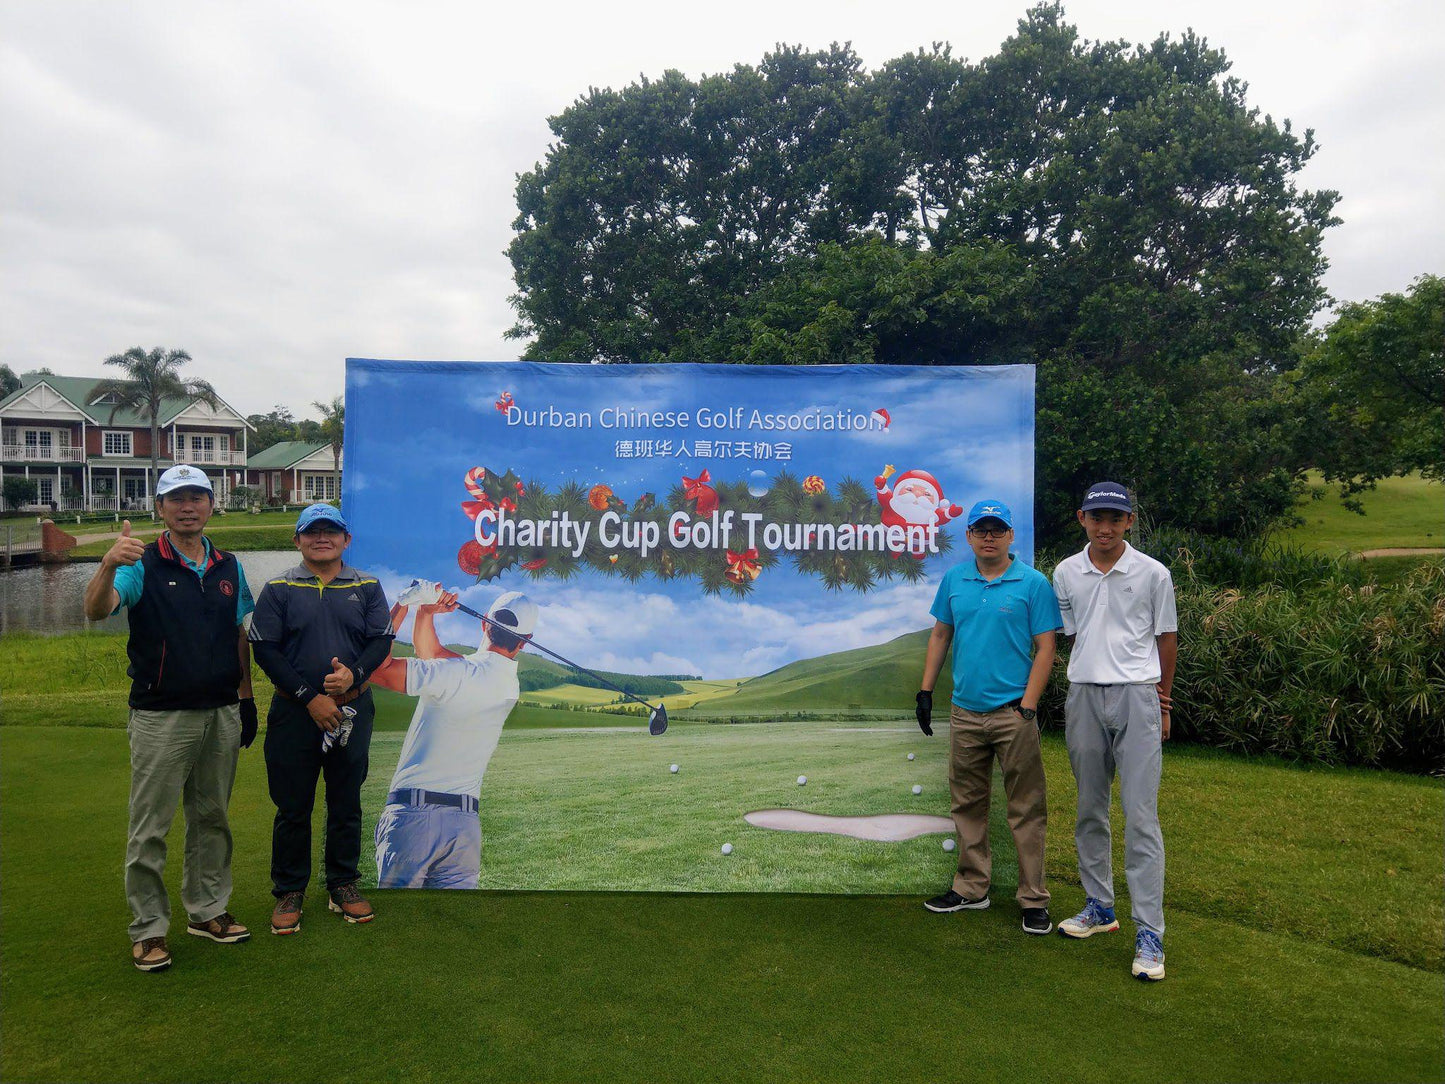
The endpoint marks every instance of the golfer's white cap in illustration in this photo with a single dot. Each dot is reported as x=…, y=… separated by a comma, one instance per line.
x=514, y=610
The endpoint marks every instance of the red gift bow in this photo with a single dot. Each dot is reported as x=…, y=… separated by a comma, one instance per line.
x=743, y=566
x=697, y=489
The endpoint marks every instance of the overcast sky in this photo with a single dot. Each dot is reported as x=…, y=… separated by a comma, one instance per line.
x=276, y=186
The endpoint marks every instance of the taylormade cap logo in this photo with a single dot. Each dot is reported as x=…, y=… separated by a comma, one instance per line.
x=1107, y=495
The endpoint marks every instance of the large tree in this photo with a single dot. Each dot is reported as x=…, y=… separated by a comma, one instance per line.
x=1370, y=389
x=1117, y=213
x=151, y=377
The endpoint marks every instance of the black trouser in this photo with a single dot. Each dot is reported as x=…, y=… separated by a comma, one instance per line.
x=293, y=761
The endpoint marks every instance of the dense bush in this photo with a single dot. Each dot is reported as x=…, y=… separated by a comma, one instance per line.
x=1225, y=562
x=1339, y=672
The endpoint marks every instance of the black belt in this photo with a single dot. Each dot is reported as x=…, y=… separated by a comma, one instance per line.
x=411, y=796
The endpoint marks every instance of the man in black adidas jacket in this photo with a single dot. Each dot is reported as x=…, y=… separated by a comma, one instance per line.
x=319, y=631
x=191, y=709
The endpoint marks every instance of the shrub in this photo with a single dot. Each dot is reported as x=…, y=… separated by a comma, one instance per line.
x=1343, y=672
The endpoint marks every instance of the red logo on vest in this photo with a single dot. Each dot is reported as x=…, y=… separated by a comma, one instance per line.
x=227, y=588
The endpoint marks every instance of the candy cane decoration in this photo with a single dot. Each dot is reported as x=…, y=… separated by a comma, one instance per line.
x=473, y=481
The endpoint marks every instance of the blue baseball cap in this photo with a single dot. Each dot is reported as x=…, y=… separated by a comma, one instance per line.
x=1107, y=495
x=991, y=510
x=320, y=513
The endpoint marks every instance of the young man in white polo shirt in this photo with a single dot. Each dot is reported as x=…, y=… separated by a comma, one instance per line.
x=1118, y=610
x=429, y=835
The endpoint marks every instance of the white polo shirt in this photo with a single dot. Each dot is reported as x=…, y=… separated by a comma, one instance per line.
x=1115, y=617
x=461, y=706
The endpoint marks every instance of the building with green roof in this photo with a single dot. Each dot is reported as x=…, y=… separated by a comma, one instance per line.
x=296, y=471
x=83, y=454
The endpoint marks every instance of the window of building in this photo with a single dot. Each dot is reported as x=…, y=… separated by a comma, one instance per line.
x=319, y=487
x=116, y=442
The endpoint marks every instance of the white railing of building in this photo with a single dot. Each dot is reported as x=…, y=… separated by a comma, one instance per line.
x=34, y=453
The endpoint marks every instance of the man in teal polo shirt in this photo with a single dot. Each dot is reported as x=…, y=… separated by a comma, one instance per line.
x=190, y=709
x=1001, y=618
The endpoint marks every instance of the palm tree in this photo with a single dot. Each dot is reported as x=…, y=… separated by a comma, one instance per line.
x=150, y=378
x=333, y=427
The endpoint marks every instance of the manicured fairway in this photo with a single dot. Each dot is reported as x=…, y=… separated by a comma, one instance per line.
x=1255, y=842
x=595, y=986
x=1404, y=512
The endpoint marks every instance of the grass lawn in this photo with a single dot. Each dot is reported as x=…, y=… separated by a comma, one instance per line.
x=1306, y=926
x=237, y=532
x=1406, y=512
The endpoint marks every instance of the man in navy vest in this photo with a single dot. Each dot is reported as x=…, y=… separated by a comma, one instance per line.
x=191, y=709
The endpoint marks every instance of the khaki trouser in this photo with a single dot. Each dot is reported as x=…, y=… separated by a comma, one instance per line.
x=185, y=755
x=975, y=739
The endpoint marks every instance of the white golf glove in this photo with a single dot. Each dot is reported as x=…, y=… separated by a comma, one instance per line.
x=420, y=593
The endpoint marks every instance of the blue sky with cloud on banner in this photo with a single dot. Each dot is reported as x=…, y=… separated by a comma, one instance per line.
x=430, y=424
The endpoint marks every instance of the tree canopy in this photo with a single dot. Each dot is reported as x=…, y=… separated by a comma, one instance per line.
x=1118, y=214
x=1370, y=390
x=151, y=377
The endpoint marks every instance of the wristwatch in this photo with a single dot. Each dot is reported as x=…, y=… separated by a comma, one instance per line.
x=1029, y=714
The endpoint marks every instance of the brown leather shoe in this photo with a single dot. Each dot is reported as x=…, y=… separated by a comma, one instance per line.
x=350, y=904
x=223, y=929
x=150, y=954
x=287, y=916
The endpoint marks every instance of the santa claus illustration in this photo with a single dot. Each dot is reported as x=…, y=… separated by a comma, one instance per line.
x=915, y=500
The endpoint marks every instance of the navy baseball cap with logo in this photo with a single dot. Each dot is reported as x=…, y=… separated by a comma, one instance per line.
x=320, y=513
x=991, y=510
x=1107, y=495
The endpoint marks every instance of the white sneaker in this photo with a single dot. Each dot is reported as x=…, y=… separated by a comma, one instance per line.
x=1148, y=957
x=1094, y=918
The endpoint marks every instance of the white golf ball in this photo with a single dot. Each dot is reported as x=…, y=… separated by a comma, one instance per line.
x=910, y=756
x=917, y=789
x=727, y=848
x=673, y=769
x=948, y=844
x=802, y=780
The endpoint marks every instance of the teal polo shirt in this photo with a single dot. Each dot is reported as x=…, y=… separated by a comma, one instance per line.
x=130, y=581
x=994, y=624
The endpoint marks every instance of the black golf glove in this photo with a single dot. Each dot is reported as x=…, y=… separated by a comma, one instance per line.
x=924, y=711
x=249, y=722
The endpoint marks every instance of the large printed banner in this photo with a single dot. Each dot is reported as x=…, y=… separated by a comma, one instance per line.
x=753, y=549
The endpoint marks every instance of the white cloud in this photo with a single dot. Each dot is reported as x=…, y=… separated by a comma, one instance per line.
x=277, y=186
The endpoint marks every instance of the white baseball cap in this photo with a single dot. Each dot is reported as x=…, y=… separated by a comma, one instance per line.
x=183, y=476
x=514, y=611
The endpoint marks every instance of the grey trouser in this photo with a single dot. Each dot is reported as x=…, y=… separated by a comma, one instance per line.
x=1109, y=727
x=175, y=756
x=428, y=846
x=975, y=739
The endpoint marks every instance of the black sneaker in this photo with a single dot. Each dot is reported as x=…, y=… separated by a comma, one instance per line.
x=952, y=901
x=1036, y=920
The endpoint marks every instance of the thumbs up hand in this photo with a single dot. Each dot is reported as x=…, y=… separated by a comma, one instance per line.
x=126, y=551
x=339, y=680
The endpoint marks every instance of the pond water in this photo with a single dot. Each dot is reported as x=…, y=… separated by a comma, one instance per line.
x=47, y=598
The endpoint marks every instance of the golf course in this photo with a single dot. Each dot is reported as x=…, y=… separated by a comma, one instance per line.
x=612, y=938
x=1304, y=911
